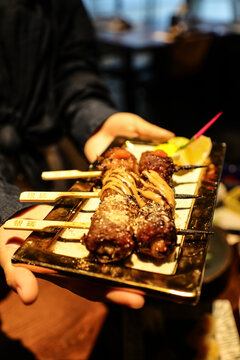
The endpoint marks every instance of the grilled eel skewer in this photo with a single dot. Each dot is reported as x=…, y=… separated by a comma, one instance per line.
x=110, y=236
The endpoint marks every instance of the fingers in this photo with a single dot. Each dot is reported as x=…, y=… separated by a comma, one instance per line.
x=132, y=125
x=97, y=292
x=147, y=130
x=20, y=279
x=123, y=124
x=96, y=145
x=120, y=297
x=24, y=283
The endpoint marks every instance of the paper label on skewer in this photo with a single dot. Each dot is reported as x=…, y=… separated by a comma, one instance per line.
x=51, y=196
x=36, y=195
x=23, y=224
x=38, y=225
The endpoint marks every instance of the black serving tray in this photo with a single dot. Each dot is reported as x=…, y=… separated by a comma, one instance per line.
x=182, y=284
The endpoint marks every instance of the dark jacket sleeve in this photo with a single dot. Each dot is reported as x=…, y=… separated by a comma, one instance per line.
x=9, y=194
x=82, y=102
x=81, y=96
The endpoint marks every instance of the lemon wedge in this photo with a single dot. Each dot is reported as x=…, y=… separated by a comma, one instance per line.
x=195, y=153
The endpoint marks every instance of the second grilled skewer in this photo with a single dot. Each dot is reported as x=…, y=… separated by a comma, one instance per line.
x=154, y=228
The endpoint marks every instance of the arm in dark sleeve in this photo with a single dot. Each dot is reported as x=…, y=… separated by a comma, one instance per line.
x=9, y=194
x=81, y=96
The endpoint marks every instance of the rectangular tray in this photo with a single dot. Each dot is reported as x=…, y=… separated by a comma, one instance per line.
x=178, y=279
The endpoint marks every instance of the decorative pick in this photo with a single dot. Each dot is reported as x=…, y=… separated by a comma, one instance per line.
x=202, y=130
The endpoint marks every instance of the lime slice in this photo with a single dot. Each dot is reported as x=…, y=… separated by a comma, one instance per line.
x=178, y=141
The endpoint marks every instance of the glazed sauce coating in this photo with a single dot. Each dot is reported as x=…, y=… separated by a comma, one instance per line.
x=154, y=227
x=164, y=166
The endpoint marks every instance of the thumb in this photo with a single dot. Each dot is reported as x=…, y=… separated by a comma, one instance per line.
x=24, y=283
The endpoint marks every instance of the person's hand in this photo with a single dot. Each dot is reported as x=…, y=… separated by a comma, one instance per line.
x=122, y=124
x=24, y=282
x=20, y=279
x=94, y=291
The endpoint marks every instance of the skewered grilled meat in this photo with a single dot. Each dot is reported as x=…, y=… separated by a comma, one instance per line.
x=159, y=162
x=116, y=158
x=154, y=228
x=110, y=235
x=155, y=231
x=134, y=207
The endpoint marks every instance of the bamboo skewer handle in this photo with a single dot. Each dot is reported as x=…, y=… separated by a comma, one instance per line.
x=77, y=174
x=51, y=196
x=69, y=174
x=39, y=225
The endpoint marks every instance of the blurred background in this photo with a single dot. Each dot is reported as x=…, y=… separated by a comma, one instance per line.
x=174, y=62
x=177, y=64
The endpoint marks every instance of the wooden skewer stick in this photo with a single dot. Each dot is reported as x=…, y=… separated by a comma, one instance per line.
x=187, y=196
x=194, y=232
x=51, y=196
x=189, y=167
x=39, y=225
x=69, y=174
x=77, y=174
